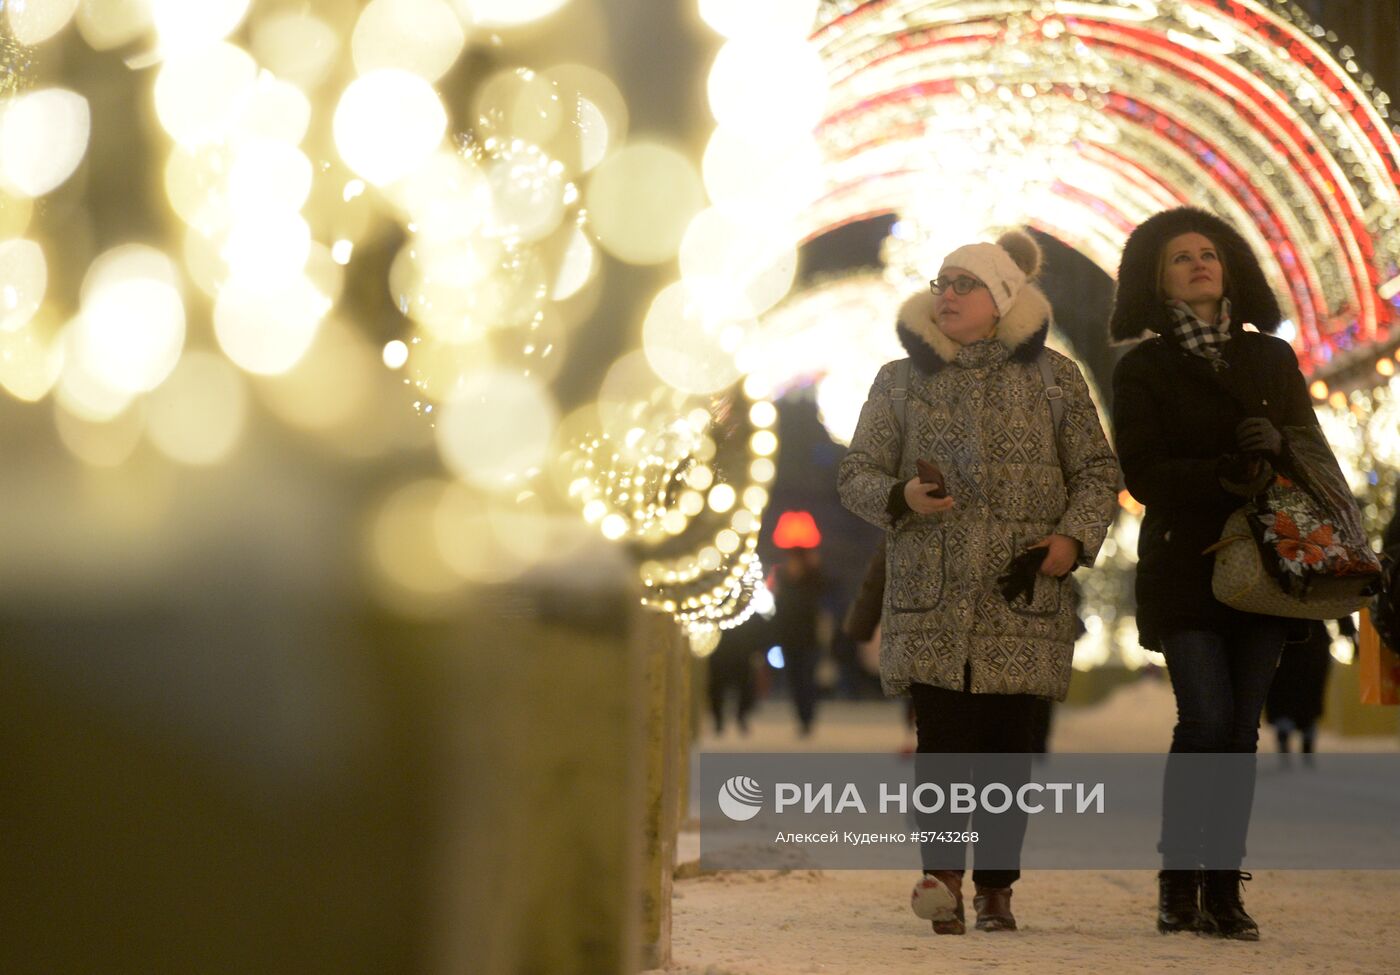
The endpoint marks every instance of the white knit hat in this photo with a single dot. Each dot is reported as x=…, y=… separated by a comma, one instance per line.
x=995, y=266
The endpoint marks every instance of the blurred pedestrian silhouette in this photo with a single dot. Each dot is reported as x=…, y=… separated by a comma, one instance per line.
x=797, y=591
x=1296, y=696
x=732, y=670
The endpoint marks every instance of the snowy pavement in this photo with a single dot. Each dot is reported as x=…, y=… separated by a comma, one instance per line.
x=1079, y=922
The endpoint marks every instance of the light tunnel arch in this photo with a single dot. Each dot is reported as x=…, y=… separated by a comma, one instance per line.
x=1095, y=115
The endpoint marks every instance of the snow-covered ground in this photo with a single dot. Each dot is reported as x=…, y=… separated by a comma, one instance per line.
x=1072, y=922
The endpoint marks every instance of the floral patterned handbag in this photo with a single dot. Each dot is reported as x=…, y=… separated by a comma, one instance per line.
x=1299, y=548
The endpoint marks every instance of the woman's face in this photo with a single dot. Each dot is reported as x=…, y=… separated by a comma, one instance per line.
x=1191, y=270
x=965, y=318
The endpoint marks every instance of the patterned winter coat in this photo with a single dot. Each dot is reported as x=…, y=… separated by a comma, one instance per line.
x=980, y=412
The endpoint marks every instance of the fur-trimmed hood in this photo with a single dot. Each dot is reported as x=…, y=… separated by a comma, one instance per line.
x=1022, y=330
x=1138, y=307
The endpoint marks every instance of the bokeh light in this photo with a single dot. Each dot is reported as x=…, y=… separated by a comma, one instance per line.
x=38, y=20
x=518, y=103
x=43, y=136
x=640, y=201
x=267, y=332
x=756, y=265
x=576, y=266
x=278, y=111
x=722, y=498
x=528, y=192
x=461, y=289
x=196, y=183
x=763, y=414
x=421, y=36
x=768, y=90
x=296, y=46
x=436, y=367
x=24, y=276
x=685, y=341
x=30, y=364
x=537, y=349
x=109, y=25
x=395, y=354
x=131, y=329
x=738, y=18
x=387, y=123
x=324, y=272
x=447, y=199
x=507, y=13
x=198, y=414
x=268, y=175
x=761, y=184
x=599, y=117
x=495, y=431
x=204, y=263
x=267, y=250
x=200, y=95
x=628, y=393
x=337, y=392
x=83, y=394
x=182, y=24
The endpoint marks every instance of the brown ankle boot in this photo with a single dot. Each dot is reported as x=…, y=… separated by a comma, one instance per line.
x=993, y=905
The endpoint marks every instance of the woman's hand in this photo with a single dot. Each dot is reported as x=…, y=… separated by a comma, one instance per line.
x=917, y=494
x=1064, y=552
x=1258, y=436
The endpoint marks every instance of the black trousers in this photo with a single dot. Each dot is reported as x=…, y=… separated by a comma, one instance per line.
x=731, y=673
x=962, y=723
x=801, y=665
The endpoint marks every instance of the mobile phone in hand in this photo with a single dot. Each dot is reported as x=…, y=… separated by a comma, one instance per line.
x=929, y=473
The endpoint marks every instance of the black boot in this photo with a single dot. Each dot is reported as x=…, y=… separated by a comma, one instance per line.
x=1222, y=910
x=1178, y=901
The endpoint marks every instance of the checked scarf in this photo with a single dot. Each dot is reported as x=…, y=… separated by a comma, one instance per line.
x=1198, y=337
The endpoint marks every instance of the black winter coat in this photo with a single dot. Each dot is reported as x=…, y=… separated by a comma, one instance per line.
x=1174, y=419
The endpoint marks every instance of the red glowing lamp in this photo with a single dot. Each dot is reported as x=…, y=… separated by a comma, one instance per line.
x=796, y=529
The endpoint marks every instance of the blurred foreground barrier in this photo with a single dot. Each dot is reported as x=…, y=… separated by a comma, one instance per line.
x=237, y=782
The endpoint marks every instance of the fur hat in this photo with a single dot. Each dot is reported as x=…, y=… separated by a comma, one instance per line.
x=1138, y=307
x=1004, y=267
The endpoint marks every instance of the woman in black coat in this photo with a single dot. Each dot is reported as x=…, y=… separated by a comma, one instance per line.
x=1198, y=411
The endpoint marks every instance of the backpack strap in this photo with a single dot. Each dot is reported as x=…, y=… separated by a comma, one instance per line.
x=899, y=395
x=1053, y=393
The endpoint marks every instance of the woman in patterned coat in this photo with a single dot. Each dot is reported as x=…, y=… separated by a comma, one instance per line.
x=977, y=405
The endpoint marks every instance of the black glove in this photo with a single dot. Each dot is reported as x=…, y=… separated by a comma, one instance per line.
x=1258, y=436
x=1244, y=476
x=1018, y=578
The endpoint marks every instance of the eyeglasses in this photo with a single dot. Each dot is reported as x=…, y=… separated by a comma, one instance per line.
x=962, y=284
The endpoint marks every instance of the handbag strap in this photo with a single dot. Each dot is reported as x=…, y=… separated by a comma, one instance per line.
x=1224, y=541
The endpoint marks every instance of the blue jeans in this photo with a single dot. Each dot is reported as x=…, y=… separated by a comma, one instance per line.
x=1220, y=680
